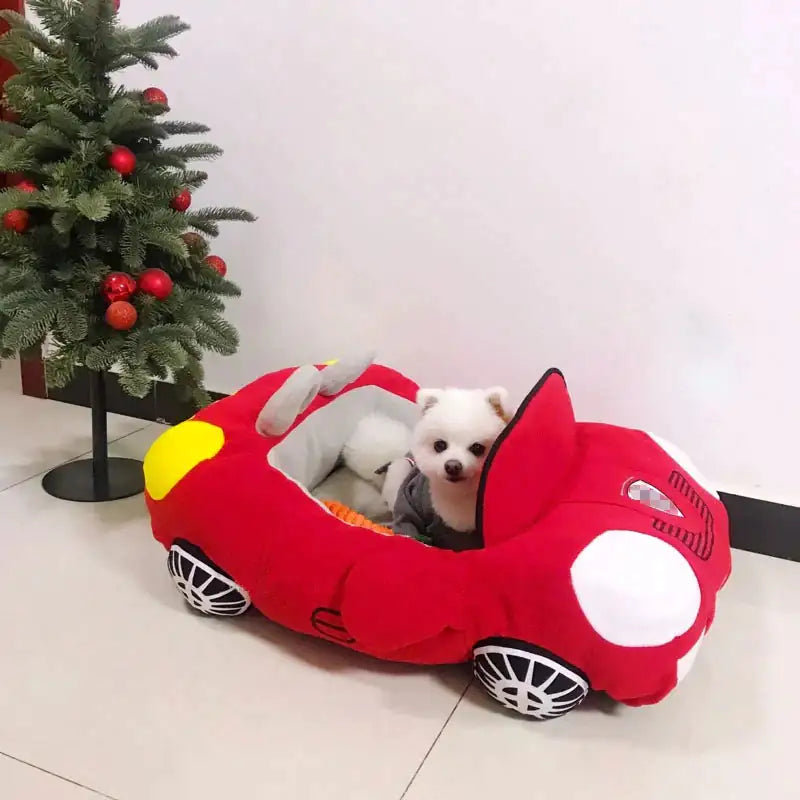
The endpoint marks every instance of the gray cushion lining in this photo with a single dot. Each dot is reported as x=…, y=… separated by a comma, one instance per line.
x=309, y=453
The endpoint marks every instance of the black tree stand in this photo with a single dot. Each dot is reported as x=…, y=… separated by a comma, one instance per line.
x=99, y=478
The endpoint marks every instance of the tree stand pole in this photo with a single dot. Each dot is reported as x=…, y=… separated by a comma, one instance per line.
x=99, y=478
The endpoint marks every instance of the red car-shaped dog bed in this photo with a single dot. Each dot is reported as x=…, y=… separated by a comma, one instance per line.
x=603, y=547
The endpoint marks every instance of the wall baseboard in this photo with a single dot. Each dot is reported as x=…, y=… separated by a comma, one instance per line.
x=759, y=526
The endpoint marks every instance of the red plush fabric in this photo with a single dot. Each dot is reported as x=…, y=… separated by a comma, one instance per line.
x=534, y=455
x=555, y=497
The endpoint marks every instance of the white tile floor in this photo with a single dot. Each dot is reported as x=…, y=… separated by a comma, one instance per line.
x=109, y=687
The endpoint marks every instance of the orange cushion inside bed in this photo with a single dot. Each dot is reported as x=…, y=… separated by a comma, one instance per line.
x=351, y=517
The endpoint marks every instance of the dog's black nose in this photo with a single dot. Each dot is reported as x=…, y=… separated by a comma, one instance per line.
x=453, y=468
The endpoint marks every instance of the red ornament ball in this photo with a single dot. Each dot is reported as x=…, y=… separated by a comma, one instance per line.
x=13, y=178
x=17, y=220
x=182, y=200
x=118, y=286
x=155, y=96
x=155, y=282
x=122, y=160
x=121, y=315
x=26, y=186
x=215, y=262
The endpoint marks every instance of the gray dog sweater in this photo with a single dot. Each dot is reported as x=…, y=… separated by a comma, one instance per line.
x=415, y=517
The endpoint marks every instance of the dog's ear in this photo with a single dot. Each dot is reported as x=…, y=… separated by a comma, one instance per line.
x=428, y=398
x=497, y=398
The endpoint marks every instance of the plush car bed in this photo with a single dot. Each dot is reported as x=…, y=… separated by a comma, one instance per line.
x=603, y=547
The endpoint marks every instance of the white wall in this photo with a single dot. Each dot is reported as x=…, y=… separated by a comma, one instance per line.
x=481, y=189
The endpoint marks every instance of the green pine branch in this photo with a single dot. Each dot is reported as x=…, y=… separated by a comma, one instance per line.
x=60, y=368
x=16, y=48
x=93, y=205
x=175, y=127
x=14, y=198
x=193, y=179
x=157, y=30
x=195, y=151
x=12, y=129
x=43, y=136
x=17, y=156
x=64, y=121
x=56, y=18
x=223, y=214
x=26, y=30
x=29, y=324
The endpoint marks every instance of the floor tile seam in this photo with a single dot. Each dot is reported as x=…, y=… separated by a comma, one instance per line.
x=68, y=460
x=52, y=774
x=435, y=741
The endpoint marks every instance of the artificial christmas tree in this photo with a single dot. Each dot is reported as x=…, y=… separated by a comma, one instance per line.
x=98, y=255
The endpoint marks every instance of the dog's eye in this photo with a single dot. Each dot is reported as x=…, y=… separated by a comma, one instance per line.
x=477, y=449
x=440, y=445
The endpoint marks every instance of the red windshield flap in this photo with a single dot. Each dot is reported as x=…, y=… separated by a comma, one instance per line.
x=528, y=462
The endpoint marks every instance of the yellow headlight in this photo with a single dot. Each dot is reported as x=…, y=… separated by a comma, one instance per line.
x=177, y=452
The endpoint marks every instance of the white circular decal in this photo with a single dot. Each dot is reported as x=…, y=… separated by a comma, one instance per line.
x=635, y=590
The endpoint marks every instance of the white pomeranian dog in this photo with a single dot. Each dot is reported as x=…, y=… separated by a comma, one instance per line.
x=434, y=493
x=357, y=483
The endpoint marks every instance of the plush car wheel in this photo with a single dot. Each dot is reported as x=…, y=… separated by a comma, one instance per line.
x=205, y=586
x=527, y=679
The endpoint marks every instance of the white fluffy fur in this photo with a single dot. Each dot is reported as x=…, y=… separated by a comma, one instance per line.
x=376, y=441
x=461, y=419
x=396, y=473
